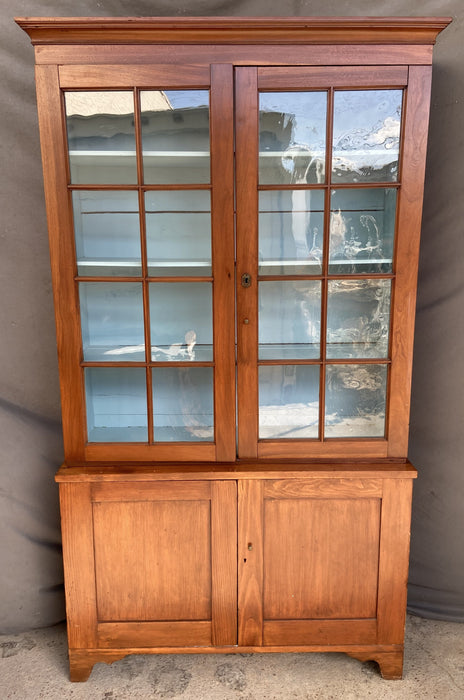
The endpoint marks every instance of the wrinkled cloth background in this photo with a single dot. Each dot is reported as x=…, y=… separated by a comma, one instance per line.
x=31, y=591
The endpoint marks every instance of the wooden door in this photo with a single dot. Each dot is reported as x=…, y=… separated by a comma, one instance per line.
x=329, y=173
x=316, y=558
x=150, y=564
x=138, y=165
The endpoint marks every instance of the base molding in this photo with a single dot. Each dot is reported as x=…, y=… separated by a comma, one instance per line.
x=388, y=657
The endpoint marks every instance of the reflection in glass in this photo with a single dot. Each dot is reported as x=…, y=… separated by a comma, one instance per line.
x=112, y=321
x=101, y=137
x=107, y=232
x=289, y=319
x=178, y=233
x=362, y=230
x=355, y=399
x=183, y=406
x=175, y=136
x=116, y=402
x=358, y=318
x=366, y=135
x=292, y=133
x=288, y=401
x=181, y=321
x=291, y=231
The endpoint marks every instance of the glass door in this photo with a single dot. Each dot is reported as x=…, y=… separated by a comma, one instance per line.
x=314, y=324
x=145, y=165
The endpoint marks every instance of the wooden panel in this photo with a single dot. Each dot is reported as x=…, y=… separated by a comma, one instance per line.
x=148, y=76
x=149, y=634
x=321, y=558
x=130, y=452
x=233, y=30
x=62, y=258
x=238, y=55
x=119, y=472
x=250, y=563
x=407, y=256
x=394, y=560
x=307, y=78
x=288, y=449
x=145, y=491
x=146, y=567
x=224, y=562
x=322, y=488
x=246, y=100
x=78, y=560
x=330, y=632
x=223, y=249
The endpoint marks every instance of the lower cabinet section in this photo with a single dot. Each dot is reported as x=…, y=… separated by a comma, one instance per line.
x=238, y=562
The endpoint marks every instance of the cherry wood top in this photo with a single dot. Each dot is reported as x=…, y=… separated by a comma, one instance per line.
x=252, y=469
x=233, y=30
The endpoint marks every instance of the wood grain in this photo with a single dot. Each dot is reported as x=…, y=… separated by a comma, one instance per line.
x=224, y=562
x=307, y=78
x=320, y=559
x=62, y=259
x=246, y=105
x=145, y=491
x=323, y=488
x=407, y=255
x=223, y=249
x=394, y=560
x=78, y=560
x=250, y=563
x=328, y=632
x=145, y=566
x=160, y=634
x=159, y=76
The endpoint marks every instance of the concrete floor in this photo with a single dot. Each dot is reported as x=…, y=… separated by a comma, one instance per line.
x=33, y=665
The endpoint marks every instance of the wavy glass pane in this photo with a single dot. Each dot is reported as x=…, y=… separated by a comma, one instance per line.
x=175, y=136
x=355, y=400
x=366, y=135
x=291, y=231
x=289, y=319
x=183, y=404
x=292, y=137
x=107, y=233
x=358, y=318
x=362, y=230
x=116, y=402
x=181, y=321
x=289, y=401
x=112, y=321
x=101, y=137
x=178, y=227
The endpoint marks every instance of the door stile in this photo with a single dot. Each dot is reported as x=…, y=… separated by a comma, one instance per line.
x=223, y=253
x=250, y=562
x=247, y=147
x=224, y=563
x=62, y=258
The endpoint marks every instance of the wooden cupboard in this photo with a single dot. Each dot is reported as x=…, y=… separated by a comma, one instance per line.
x=234, y=211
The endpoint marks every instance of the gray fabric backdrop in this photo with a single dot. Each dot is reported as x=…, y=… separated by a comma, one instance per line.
x=31, y=593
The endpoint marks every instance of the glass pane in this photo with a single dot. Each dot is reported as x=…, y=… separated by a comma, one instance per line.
x=358, y=318
x=362, y=230
x=289, y=401
x=289, y=320
x=355, y=399
x=181, y=321
x=183, y=406
x=292, y=131
x=175, y=136
x=116, y=400
x=101, y=137
x=178, y=233
x=366, y=135
x=112, y=321
x=107, y=231
x=291, y=231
